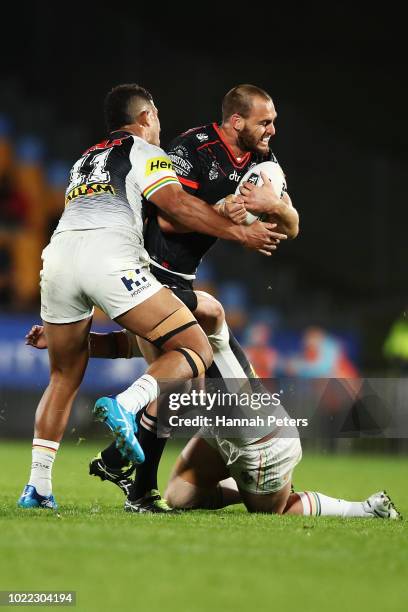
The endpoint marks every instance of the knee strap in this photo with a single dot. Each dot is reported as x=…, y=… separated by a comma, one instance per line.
x=194, y=360
x=178, y=321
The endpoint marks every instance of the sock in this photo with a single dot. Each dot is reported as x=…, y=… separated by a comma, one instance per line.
x=316, y=504
x=43, y=456
x=113, y=458
x=146, y=473
x=240, y=356
x=226, y=363
x=231, y=363
x=143, y=391
x=229, y=492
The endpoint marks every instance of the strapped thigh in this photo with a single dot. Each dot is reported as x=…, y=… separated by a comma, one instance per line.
x=178, y=321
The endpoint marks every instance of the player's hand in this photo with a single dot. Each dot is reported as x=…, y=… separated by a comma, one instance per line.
x=234, y=209
x=262, y=199
x=262, y=237
x=36, y=337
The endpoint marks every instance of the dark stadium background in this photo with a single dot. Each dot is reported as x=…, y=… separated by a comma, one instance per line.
x=338, y=81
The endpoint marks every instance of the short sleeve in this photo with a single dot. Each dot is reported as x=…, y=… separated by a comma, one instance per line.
x=152, y=169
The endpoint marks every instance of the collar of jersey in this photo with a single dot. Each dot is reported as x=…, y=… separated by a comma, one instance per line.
x=244, y=159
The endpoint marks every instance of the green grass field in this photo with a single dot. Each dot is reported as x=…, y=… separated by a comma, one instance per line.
x=224, y=560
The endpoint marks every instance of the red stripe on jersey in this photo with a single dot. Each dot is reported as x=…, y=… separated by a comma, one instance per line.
x=192, y=130
x=207, y=144
x=107, y=144
x=235, y=162
x=187, y=183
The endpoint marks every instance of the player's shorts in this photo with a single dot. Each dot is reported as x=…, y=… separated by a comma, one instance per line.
x=260, y=468
x=102, y=267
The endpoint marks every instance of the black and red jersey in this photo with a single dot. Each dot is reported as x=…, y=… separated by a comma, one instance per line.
x=208, y=169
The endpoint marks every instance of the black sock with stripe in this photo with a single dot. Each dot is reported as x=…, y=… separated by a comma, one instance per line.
x=146, y=473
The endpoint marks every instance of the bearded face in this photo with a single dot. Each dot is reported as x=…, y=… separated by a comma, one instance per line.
x=253, y=140
x=258, y=127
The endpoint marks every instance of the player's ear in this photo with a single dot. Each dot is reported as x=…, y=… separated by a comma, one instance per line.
x=145, y=118
x=237, y=122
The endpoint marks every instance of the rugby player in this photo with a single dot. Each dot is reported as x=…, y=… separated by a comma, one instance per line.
x=212, y=473
x=96, y=257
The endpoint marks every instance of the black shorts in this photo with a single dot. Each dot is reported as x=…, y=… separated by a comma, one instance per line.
x=181, y=287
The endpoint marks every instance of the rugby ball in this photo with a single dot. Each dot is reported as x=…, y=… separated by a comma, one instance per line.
x=275, y=174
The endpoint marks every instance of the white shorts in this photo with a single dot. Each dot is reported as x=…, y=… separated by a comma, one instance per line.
x=260, y=468
x=102, y=267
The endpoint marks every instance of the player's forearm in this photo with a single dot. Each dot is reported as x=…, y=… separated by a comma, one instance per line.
x=261, y=201
x=287, y=219
x=285, y=215
x=107, y=345
x=198, y=216
x=113, y=345
x=207, y=220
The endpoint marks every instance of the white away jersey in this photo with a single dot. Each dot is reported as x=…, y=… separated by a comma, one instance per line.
x=110, y=180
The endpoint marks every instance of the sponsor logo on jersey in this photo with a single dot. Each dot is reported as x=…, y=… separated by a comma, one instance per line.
x=180, y=150
x=88, y=190
x=201, y=137
x=181, y=166
x=155, y=164
x=213, y=174
x=234, y=176
x=135, y=281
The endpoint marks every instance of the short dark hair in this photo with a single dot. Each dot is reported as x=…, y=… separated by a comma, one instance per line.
x=239, y=100
x=118, y=109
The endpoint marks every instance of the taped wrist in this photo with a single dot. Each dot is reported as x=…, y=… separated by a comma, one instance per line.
x=221, y=205
x=221, y=208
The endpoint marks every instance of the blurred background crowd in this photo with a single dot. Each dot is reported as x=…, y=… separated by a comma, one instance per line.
x=32, y=190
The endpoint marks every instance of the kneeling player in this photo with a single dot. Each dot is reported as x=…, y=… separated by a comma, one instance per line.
x=214, y=473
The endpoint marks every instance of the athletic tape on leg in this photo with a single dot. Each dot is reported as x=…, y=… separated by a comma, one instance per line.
x=194, y=360
x=170, y=326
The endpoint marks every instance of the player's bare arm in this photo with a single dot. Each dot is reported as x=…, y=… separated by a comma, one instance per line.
x=231, y=207
x=265, y=200
x=106, y=345
x=199, y=216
